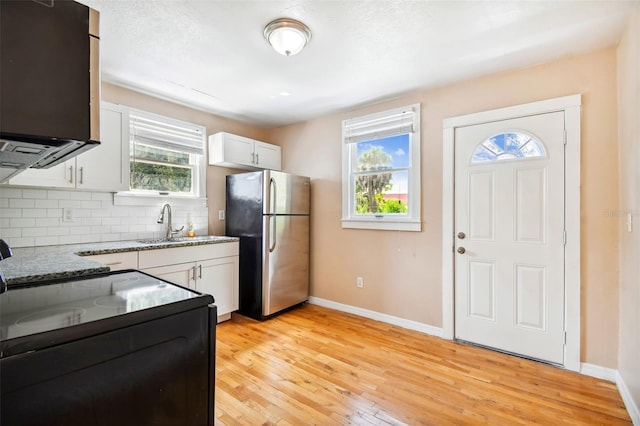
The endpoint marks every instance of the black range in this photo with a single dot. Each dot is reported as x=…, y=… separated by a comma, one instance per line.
x=120, y=348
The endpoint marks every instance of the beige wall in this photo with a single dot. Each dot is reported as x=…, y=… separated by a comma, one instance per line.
x=629, y=135
x=402, y=270
x=213, y=123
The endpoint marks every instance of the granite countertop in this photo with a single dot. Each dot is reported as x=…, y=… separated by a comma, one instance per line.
x=33, y=264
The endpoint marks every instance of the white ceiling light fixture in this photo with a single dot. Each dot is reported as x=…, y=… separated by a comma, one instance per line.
x=287, y=36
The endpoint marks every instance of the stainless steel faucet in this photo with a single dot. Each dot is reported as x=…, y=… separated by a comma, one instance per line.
x=170, y=230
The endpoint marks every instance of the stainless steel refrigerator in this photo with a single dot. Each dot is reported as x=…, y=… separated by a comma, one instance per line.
x=269, y=211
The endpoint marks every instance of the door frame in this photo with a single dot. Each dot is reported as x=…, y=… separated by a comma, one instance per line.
x=571, y=105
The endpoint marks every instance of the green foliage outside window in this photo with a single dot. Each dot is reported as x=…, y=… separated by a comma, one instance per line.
x=370, y=188
x=160, y=177
x=162, y=171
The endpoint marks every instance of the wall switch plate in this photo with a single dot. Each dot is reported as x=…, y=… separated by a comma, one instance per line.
x=359, y=282
x=220, y=214
x=67, y=215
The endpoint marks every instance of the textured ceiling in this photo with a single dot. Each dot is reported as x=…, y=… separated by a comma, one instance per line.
x=211, y=55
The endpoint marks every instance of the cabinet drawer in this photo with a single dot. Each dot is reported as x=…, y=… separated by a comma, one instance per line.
x=170, y=256
x=117, y=261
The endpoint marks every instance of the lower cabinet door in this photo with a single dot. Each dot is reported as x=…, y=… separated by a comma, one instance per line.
x=219, y=278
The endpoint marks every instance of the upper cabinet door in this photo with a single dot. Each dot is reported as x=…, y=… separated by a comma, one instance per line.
x=267, y=156
x=238, y=149
x=226, y=149
x=106, y=167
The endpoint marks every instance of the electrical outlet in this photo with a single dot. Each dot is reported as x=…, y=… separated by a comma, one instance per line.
x=359, y=282
x=67, y=215
x=220, y=214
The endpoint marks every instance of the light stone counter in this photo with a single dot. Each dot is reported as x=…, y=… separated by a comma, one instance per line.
x=34, y=264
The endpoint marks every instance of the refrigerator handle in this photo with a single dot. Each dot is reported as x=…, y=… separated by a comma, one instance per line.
x=272, y=218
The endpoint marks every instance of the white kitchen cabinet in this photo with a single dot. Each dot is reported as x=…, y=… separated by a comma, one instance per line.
x=209, y=268
x=103, y=168
x=229, y=150
x=117, y=261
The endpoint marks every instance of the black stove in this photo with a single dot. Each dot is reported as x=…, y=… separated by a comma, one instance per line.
x=121, y=348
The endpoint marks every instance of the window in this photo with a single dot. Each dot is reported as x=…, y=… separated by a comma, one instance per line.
x=381, y=170
x=508, y=146
x=166, y=156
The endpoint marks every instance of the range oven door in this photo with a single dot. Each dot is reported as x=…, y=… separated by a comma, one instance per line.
x=160, y=372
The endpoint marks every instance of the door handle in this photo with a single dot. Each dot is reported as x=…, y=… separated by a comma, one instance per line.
x=461, y=235
x=461, y=250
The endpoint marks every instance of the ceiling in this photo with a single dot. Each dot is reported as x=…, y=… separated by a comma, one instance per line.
x=211, y=55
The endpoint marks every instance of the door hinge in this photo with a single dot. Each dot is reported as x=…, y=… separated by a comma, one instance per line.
x=564, y=137
x=564, y=237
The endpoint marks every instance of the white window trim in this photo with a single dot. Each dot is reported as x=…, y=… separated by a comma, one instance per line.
x=413, y=220
x=140, y=198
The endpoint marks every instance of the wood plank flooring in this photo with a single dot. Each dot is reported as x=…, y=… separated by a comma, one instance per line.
x=314, y=365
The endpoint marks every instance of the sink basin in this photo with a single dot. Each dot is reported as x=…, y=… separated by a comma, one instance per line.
x=198, y=238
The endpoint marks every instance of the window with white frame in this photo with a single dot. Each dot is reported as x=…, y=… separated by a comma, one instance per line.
x=381, y=170
x=166, y=156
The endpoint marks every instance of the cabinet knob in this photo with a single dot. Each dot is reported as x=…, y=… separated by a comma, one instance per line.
x=461, y=250
x=461, y=235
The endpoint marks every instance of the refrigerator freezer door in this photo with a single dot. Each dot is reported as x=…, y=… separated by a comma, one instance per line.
x=285, y=277
x=285, y=193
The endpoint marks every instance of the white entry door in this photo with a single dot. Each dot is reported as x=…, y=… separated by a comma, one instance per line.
x=510, y=231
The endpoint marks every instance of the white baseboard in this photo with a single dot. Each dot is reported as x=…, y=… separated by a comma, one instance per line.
x=377, y=316
x=614, y=376
x=632, y=407
x=599, y=372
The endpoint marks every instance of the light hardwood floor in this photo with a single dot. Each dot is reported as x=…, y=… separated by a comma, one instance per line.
x=314, y=365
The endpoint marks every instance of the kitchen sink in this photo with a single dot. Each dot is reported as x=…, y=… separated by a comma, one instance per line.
x=199, y=238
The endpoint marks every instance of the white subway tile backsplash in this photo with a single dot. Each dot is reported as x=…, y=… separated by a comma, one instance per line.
x=54, y=213
x=47, y=222
x=10, y=193
x=40, y=194
x=80, y=230
x=22, y=242
x=57, y=231
x=90, y=221
x=33, y=217
x=46, y=241
x=58, y=195
x=80, y=195
x=21, y=203
x=11, y=232
x=34, y=213
x=46, y=204
x=88, y=204
x=120, y=228
x=22, y=222
x=99, y=230
x=70, y=204
x=10, y=213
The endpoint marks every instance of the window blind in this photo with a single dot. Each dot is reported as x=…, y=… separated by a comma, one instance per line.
x=376, y=126
x=161, y=132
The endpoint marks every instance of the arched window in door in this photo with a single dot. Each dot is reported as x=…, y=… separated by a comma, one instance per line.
x=511, y=145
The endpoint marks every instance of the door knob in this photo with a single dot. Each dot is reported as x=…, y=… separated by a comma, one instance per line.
x=461, y=235
x=461, y=250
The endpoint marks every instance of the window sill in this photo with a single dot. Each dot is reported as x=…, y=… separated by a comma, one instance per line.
x=386, y=225
x=134, y=199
